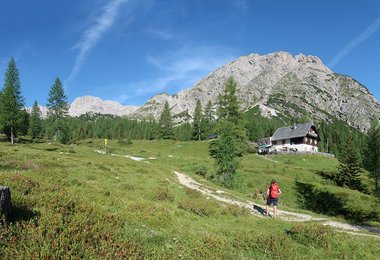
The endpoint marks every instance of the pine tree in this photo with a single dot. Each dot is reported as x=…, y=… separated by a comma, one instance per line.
x=35, y=121
x=372, y=152
x=11, y=103
x=349, y=170
x=165, y=130
x=58, y=109
x=208, y=120
x=197, y=121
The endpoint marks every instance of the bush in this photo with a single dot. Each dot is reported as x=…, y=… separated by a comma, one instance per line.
x=127, y=141
x=201, y=170
x=200, y=207
x=317, y=235
x=193, y=193
x=236, y=210
x=161, y=194
x=274, y=246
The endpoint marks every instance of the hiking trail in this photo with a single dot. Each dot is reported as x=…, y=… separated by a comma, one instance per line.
x=258, y=210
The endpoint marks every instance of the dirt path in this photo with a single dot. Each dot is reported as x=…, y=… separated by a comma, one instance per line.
x=258, y=209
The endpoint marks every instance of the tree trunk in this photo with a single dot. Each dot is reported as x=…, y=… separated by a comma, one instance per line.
x=5, y=202
x=12, y=136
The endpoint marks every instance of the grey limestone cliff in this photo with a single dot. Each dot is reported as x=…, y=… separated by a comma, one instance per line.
x=279, y=83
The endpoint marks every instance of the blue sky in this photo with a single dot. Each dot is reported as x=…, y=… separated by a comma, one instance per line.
x=130, y=50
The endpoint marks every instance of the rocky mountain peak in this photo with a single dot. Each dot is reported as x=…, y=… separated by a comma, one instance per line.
x=84, y=104
x=280, y=84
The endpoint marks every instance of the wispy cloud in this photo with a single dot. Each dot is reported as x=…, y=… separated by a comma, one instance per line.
x=93, y=34
x=160, y=33
x=241, y=5
x=371, y=29
x=181, y=69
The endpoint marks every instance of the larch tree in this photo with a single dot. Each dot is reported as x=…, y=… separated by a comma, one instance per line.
x=165, y=124
x=208, y=121
x=11, y=103
x=372, y=152
x=35, y=121
x=197, y=121
x=58, y=109
x=232, y=138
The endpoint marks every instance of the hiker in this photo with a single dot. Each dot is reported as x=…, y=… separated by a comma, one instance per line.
x=272, y=197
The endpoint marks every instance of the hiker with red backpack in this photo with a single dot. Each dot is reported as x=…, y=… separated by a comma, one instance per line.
x=272, y=197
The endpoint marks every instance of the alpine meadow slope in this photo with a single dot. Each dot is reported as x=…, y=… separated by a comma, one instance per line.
x=281, y=85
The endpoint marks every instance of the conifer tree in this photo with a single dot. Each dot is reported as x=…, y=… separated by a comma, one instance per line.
x=58, y=109
x=225, y=152
x=372, y=152
x=197, y=121
x=229, y=109
x=349, y=170
x=208, y=120
x=231, y=135
x=165, y=124
x=35, y=121
x=11, y=103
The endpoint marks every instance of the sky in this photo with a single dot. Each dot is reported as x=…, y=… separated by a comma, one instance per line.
x=130, y=50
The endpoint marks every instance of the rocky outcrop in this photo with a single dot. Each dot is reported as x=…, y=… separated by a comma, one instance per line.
x=82, y=105
x=281, y=85
x=85, y=104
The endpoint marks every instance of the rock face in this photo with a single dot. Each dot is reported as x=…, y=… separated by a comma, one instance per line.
x=279, y=84
x=5, y=202
x=82, y=105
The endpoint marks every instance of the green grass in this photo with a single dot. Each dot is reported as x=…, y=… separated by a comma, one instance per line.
x=70, y=201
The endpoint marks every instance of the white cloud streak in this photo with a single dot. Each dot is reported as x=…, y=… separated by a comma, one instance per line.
x=371, y=29
x=92, y=35
x=161, y=34
x=181, y=69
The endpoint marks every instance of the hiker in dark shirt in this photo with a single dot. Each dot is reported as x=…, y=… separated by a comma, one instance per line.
x=272, y=197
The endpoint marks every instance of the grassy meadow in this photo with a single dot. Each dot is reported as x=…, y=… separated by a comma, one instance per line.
x=71, y=201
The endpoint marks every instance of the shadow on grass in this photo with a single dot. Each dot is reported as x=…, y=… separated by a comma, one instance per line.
x=22, y=213
x=52, y=149
x=330, y=176
x=320, y=201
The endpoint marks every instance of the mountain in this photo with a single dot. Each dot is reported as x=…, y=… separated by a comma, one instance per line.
x=82, y=105
x=280, y=85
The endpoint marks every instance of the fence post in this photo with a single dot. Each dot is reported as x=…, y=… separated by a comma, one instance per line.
x=5, y=202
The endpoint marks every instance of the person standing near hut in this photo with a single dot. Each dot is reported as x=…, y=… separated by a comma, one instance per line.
x=272, y=197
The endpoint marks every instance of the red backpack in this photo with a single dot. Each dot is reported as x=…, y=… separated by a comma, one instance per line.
x=273, y=191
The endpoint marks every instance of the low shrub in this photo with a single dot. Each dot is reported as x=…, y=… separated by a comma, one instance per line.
x=201, y=170
x=236, y=210
x=317, y=235
x=127, y=186
x=274, y=245
x=193, y=193
x=200, y=207
x=127, y=141
x=162, y=194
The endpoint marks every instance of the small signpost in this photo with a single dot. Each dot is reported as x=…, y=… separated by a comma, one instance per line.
x=105, y=143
